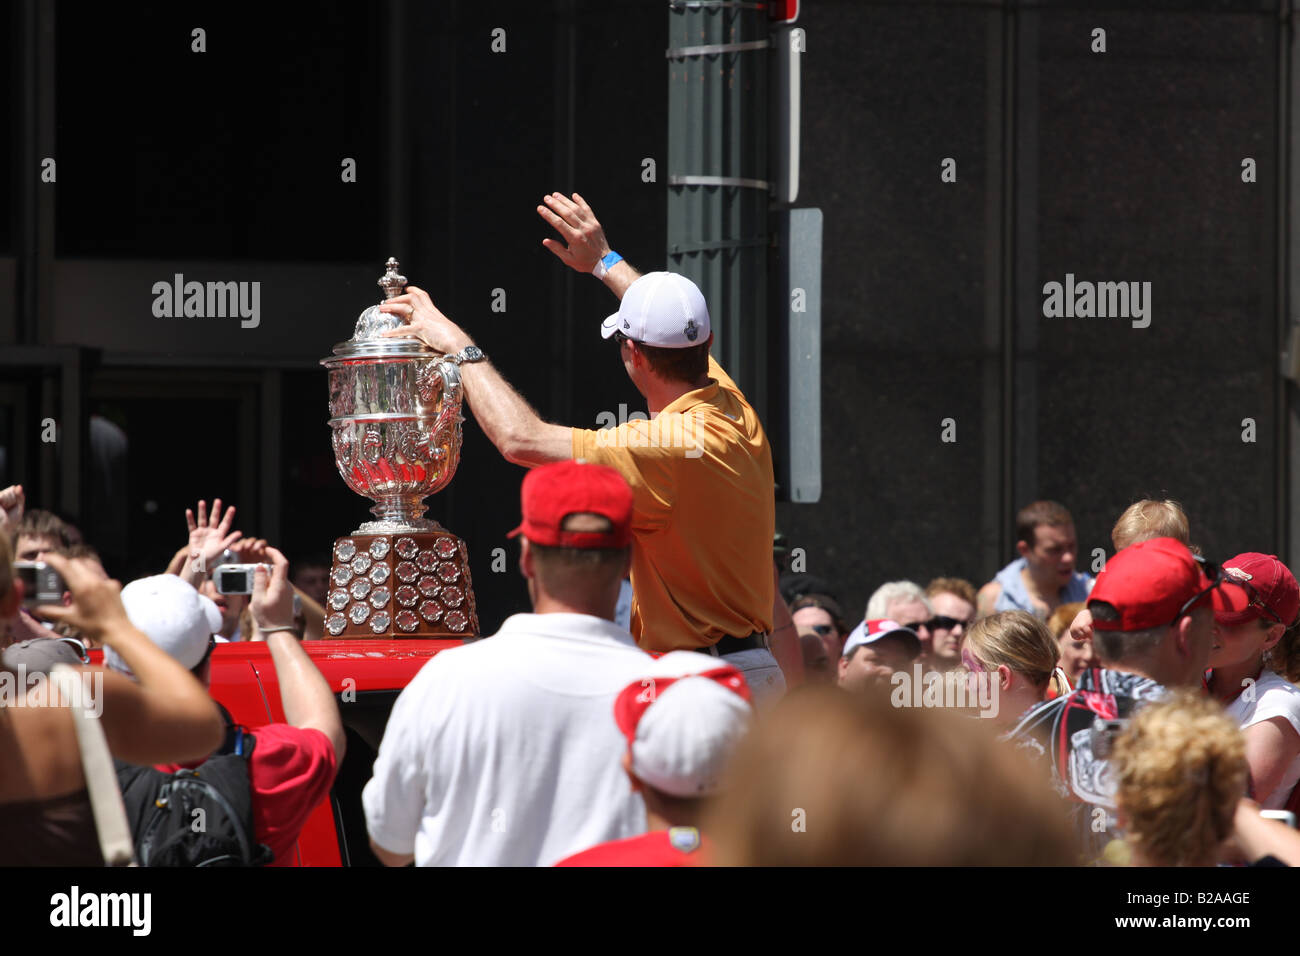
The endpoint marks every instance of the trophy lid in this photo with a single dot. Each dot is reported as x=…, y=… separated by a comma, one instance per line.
x=367, y=339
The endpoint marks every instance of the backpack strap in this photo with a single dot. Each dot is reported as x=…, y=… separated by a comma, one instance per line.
x=97, y=766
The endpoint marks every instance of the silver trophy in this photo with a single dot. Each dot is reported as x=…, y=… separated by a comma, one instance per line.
x=395, y=417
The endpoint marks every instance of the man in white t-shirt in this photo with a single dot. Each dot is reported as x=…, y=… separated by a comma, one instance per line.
x=1254, y=616
x=502, y=753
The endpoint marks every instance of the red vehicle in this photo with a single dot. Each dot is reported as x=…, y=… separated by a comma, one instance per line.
x=366, y=677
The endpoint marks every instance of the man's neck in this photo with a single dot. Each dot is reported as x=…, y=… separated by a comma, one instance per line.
x=1045, y=592
x=1141, y=670
x=1228, y=681
x=545, y=604
x=684, y=818
x=659, y=395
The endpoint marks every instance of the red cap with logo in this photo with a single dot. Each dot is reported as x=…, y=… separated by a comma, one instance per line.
x=1256, y=585
x=553, y=492
x=1148, y=583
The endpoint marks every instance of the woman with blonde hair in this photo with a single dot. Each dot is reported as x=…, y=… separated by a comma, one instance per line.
x=1181, y=771
x=1015, y=651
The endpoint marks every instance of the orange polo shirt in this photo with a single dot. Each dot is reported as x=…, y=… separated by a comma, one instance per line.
x=704, y=514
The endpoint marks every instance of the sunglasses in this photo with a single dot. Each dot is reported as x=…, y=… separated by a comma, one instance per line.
x=824, y=630
x=620, y=338
x=1231, y=576
x=1215, y=573
x=941, y=622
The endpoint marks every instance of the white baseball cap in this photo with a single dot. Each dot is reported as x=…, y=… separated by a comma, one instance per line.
x=173, y=615
x=682, y=729
x=662, y=309
x=868, y=632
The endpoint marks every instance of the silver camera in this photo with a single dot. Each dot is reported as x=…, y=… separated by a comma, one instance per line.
x=234, y=578
x=41, y=583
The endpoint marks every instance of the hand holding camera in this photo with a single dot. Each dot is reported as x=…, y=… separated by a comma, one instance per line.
x=96, y=603
x=272, y=603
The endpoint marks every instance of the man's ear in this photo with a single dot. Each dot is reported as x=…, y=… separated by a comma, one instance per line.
x=633, y=779
x=525, y=558
x=842, y=668
x=1183, y=636
x=1023, y=549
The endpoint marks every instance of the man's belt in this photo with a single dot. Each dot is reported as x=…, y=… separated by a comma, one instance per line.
x=733, y=645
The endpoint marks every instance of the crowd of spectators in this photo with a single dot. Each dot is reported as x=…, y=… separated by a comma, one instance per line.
x=559, y=741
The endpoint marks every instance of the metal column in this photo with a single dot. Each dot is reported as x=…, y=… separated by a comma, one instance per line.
x=718, y=176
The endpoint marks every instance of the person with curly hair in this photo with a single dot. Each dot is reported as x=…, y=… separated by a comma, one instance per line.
x=1181, y=771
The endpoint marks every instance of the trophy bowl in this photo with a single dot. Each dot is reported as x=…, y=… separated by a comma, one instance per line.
x=395, y=415
x=395, y=421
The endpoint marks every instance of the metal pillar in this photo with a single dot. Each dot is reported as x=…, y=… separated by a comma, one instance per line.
x=718, y=174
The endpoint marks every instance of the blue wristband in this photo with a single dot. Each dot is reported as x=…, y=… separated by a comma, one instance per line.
x=605, y=264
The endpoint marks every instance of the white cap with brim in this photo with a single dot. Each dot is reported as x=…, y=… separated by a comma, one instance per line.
x=173, y=615
x=868, y=632
x=662, y=309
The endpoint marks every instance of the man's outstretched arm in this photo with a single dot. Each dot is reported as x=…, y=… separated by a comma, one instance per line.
x=509, y=422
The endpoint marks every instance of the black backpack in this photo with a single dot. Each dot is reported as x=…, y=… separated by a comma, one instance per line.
x=200, y=817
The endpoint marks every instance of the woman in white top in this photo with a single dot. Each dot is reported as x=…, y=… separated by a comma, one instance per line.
x=1256, y=649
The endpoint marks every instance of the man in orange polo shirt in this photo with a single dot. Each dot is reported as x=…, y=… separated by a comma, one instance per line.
x=700, y=469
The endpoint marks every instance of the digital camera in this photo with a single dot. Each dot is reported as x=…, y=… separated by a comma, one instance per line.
x=234, y=578
x=41, y=583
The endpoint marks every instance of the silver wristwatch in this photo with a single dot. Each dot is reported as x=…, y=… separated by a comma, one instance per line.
x=470, y=353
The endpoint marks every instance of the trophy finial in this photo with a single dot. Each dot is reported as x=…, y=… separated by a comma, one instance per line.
x=393, y=282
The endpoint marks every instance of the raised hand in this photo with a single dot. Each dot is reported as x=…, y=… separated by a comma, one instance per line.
x=11, y=508
x=584, y=240
x=209, y=536
x=252, y=551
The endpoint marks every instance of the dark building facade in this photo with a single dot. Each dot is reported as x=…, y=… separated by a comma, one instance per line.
x=299, y=153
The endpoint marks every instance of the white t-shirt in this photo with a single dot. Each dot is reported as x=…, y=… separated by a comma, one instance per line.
x=504, y=752
x=1272, y=697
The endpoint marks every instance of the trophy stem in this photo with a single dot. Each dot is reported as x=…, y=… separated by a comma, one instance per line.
x=397, y=513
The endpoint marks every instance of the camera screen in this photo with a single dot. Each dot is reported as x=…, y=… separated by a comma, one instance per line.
x=233, y=582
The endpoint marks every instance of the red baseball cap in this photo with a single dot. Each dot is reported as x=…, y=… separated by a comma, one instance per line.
x=553, y=492
x=1256, y=585
x=1148, y=583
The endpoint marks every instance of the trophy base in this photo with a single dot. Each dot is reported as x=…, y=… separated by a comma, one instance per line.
x=413, y=584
